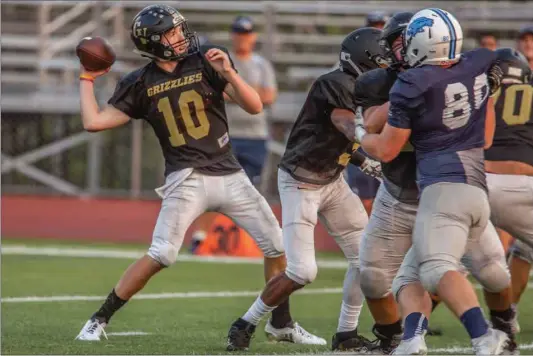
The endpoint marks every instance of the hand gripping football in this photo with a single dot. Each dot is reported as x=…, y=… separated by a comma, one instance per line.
x=95, y=53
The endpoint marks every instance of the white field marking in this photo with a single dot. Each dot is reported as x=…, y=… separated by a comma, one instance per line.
x=464, y=350
x=179, y=295
x=132, y=254
x=129, y=333
x=227, y=294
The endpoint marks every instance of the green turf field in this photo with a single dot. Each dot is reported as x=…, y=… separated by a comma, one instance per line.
x=179, y=323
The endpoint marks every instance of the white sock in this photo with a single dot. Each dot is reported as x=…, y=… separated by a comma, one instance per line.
x=257, y=311
x=349, y=318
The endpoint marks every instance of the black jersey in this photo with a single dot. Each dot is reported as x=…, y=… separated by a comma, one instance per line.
x=317, y=152
x=372, y=89
x=513, y=138
x=186, y=110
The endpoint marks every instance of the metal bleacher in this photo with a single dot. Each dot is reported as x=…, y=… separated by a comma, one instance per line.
x=301, y=38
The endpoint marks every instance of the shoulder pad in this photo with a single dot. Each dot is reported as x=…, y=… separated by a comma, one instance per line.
x=407, y=85
x=134, y=76
x=337, y=78
x=480, y=57
x=374, y=84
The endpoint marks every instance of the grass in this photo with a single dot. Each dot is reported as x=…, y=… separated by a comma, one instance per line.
x=176, y=326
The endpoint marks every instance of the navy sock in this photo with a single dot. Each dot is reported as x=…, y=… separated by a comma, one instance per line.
x=474, y=322
x=415, y=324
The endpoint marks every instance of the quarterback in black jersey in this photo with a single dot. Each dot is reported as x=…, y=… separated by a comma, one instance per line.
x=509, y=165
x=311, y=186
x=180, y=94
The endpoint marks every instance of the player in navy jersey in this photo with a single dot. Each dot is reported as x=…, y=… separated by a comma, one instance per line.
x=180, y=94
x=509, y=166
x=440, y=104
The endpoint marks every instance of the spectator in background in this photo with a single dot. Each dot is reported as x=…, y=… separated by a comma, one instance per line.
x=488, y=40
x=249, y=133
x=376, y=19
x=525, y=43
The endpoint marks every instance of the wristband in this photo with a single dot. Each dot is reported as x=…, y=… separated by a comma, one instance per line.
x=87, y=77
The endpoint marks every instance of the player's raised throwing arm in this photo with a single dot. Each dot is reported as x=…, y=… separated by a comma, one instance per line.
x=93, y=118
x=242, y=93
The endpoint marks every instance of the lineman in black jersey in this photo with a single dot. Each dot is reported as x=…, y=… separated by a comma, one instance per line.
x=387, y=236
x=509, y=165
x=179, y=93
x=311, y=186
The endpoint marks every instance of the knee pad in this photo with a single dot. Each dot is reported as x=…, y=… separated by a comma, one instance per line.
x=494, y=276
x=432, y=271
x=374, y=282
x=303, y=273
x=401, y=281
x=522, y=251
x=163, y=251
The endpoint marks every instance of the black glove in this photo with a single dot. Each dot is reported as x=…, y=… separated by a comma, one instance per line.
x=495, y=76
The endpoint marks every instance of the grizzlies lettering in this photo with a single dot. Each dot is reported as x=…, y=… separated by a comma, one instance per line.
x=175, y=83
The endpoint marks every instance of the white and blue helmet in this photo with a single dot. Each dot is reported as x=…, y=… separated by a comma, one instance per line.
x=433, y=37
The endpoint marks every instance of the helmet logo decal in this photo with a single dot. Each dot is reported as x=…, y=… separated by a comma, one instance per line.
x=417, y=26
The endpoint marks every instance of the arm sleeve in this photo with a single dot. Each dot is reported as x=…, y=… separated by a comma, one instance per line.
x=217, y=80
x=129, y=97
x=336, y=96
x=405, y=104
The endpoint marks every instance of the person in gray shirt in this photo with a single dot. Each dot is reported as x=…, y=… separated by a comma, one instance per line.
x=249, y=133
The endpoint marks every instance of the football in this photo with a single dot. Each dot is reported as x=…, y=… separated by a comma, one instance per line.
x=95, y=53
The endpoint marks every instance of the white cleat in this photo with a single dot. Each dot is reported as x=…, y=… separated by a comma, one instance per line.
x=414, y=346
x=295, y=334
x=515, y=327
x=492, y=343
x=92, y=330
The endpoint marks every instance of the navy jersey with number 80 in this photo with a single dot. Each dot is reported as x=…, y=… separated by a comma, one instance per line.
x=445, y=109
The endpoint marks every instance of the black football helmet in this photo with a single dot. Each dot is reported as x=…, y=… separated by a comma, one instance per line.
x=360, y=51
x=514, y=65
x=392, y=30
x=150, y=25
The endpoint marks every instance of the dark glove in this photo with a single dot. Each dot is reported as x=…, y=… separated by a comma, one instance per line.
x=372, y=168
x=495, y=76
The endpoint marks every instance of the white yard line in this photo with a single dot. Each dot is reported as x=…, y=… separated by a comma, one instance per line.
x=128, y=333
x=180, y=295
x=223, y=294
x=132, y=254
x=464, y=350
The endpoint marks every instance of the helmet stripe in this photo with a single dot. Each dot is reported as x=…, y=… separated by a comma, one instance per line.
x=451, y=29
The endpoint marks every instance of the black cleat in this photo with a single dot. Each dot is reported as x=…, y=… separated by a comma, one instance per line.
x=239, y=335
x=350, y=341
x=511, y=348
x=385, y=345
